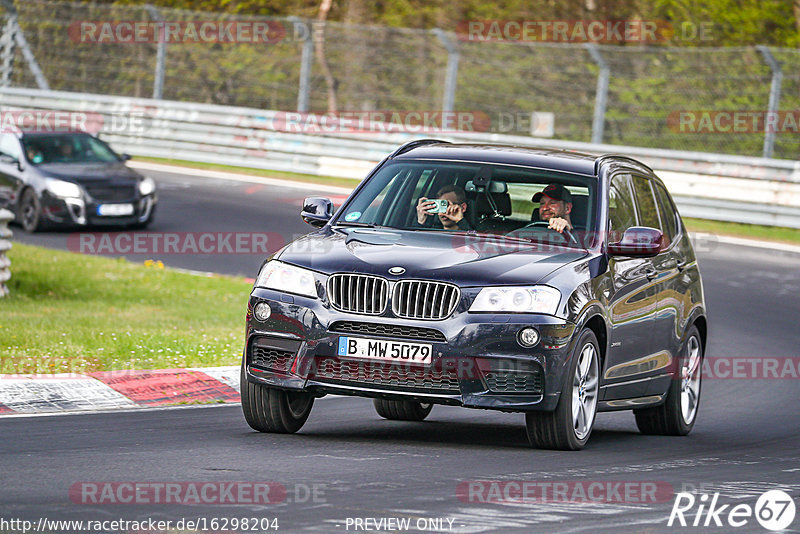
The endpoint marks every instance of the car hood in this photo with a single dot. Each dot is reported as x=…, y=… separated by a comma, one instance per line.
x=88, y=173
x=466, y=260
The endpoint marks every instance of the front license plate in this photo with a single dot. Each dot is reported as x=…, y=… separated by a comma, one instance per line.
x=115, y=210
x=391, y=351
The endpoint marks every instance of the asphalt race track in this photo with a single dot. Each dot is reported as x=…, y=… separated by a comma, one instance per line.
x=347, y=463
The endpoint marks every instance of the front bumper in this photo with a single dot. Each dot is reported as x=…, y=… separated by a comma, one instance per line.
x=83, y=211
x=477, y=361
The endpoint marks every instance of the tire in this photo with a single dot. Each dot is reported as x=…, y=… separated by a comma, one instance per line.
x=563, y=429
x=273, y=410
x=402, y=410
x=677, y=415
x=30, y=212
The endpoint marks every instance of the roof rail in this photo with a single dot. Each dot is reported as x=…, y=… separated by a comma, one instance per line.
x=602, y=157
x=414, y=144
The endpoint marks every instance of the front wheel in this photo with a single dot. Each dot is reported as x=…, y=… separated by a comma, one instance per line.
x=568, y=427
x=677, y=415
x=268, y=409
x=30, y=212
x=402, y=410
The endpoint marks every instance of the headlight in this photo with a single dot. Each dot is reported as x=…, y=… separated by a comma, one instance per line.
x=283, y=277
x=147, y=186
x=531, y=299
x=63, y=189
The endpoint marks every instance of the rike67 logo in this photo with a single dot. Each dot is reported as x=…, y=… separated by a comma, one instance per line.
x=774, y=510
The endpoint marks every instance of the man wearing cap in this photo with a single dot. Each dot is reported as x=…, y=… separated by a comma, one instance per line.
x=555, y=205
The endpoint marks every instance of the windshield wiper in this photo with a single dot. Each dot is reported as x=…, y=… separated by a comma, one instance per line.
x=357, y=224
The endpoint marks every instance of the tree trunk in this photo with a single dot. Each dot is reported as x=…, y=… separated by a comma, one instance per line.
x=319, y=48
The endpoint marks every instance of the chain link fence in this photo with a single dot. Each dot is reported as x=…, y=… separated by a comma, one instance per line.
x=380, y=68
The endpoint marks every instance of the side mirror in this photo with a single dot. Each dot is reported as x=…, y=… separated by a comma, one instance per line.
x=317, y=211
x=637, y=242
x=126, y=157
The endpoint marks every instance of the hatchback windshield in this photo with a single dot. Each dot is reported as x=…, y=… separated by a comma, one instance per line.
x=476, y=197
x=43, y=149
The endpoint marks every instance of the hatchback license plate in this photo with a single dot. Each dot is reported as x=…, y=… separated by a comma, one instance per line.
x=115, y=210
x=392, y=351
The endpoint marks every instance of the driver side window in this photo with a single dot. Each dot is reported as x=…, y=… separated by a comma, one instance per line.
x=621, y=214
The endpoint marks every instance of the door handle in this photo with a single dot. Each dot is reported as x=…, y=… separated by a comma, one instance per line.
x=681, y=264
x=650, y=272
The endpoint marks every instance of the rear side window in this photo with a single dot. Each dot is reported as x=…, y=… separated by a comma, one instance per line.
x=669, y=218
x=646, y=203
x=621, y=214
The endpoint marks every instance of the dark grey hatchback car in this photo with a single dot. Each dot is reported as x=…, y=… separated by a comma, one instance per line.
x=552, y=283
x=71, y=179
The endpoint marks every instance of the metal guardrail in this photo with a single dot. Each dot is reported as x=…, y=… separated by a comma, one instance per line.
x=705, y=185
x=5, y=245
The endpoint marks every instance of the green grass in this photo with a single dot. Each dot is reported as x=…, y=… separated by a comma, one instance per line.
x=293, y=176
x=752, y=231
x=69, y=312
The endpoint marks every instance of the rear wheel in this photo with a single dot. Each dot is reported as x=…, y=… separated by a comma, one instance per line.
x=569, y=426
x=402, y=410
x=30, y=212
x=268, y=409
x=677, y=415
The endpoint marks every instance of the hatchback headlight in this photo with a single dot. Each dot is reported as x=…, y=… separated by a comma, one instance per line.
x=62, y=189
x=284, y=277
x=530, y=299
x=147, y=186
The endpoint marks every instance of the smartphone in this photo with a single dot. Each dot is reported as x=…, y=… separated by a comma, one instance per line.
x=440, y=207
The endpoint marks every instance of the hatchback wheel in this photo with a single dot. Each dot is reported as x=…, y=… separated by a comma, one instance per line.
x=402, y=410
x=274, y=410
x=30, y=211
x=677, y=415
x=569, y=426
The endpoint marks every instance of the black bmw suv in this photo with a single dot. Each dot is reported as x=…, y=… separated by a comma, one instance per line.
x=552, y=283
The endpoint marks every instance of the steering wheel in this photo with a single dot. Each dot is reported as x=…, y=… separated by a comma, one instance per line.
x=566, y=234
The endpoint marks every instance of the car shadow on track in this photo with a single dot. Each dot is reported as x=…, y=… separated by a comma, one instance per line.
x=446, y=433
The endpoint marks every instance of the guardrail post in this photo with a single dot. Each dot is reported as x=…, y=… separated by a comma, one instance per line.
x=774, y=98
x=601, y=94
x=161, y=54
x=306, y=59
x=5, y=245
x=453, y=55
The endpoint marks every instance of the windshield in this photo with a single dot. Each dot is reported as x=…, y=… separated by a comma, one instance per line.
x=71, y=148
x=478, y=198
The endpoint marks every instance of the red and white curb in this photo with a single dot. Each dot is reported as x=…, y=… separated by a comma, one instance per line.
x=30, y=394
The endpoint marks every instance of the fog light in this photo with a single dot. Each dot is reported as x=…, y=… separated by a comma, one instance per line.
x=528, y=337
x=262, y=311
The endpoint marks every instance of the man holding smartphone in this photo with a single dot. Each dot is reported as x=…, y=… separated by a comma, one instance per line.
x=451, y=217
